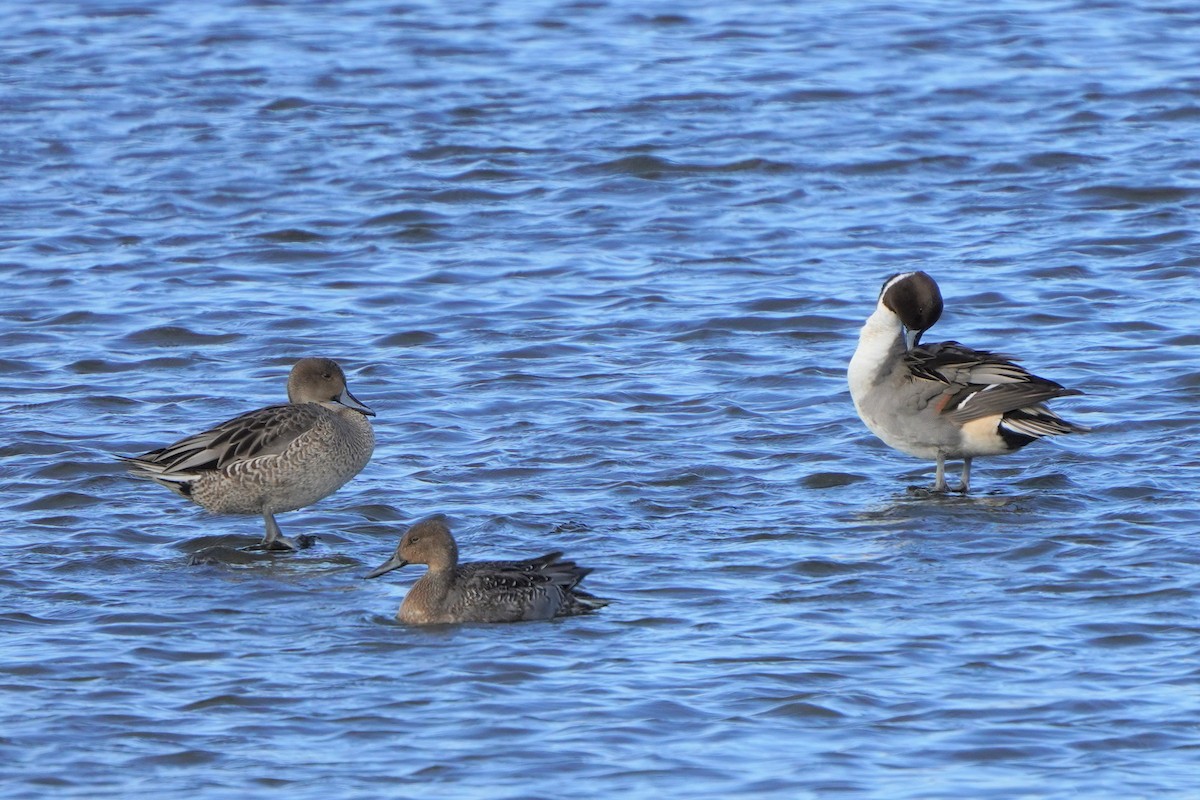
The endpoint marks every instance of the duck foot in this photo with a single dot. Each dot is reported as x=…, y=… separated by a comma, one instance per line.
x=925, y=491
x=282, y=544
x=933, y=491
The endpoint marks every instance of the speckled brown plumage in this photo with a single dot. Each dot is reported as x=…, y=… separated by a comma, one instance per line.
x=483, y=591
x=274, y=459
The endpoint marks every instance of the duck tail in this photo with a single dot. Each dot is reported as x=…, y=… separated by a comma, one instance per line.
x=1037, y=421
x=583, y=602
x=141, y=467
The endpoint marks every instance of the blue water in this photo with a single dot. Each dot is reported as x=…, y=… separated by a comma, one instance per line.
x=599, y=267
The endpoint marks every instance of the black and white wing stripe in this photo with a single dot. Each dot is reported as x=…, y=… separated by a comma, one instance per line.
x=981, y=384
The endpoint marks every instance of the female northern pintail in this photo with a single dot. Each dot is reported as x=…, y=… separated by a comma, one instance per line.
x=275, y=459
x=483, y=591
x=940, y=401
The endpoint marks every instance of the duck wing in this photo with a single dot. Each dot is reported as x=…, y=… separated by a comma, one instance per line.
x=515, y=590
x=978, y=383
x=264, y=432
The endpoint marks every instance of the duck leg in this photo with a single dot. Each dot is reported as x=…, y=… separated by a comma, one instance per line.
x=273, y=539
x=939, y=478
x=966, y=476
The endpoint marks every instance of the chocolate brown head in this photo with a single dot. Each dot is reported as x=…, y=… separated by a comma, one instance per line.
x=914, y=297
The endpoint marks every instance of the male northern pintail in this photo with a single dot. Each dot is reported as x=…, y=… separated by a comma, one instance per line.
x=940, y=401
x=275, y=459
x=483, y=591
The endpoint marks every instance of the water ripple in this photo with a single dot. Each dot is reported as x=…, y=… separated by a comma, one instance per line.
x=599, y=269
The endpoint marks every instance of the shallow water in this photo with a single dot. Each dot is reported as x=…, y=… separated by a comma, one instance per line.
x=599, y=268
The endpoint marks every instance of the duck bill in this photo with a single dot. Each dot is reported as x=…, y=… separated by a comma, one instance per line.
x=350, y=401
x=395, y=562
x=911, y=338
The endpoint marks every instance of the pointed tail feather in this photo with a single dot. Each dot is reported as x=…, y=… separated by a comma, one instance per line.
x=582, y=602
x=1037, y=421
x=139, y=467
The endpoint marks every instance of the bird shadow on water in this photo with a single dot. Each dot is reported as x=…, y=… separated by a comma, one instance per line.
x=920, y=501
x=928, y=511
x=231, y=550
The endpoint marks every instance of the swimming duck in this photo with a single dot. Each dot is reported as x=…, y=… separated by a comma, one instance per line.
x=279, y=458
x=483, y=591
x=945, y=400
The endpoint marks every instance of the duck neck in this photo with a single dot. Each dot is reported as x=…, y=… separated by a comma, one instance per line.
x=443, y=564
x=880, y=343
x=434, y=585
x=357, y=419
x=362, y=435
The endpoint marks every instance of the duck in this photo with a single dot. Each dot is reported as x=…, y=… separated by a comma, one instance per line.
x=945, y=400
x=483, y=591
x=274, y=459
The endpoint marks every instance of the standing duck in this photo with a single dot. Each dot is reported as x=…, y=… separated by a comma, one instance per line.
x=945, y=400
x=279, y=458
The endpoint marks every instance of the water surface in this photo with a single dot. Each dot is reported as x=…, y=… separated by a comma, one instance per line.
x=599, y=268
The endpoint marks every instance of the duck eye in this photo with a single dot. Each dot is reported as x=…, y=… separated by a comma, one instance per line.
x=414, y=539
x=327, y=375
